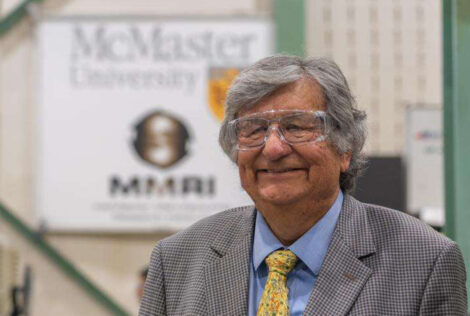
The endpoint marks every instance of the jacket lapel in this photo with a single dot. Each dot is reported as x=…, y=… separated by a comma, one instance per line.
x=343, y=275
x=227, y=277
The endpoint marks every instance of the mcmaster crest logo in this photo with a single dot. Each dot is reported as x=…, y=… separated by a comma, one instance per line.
x=161, y=139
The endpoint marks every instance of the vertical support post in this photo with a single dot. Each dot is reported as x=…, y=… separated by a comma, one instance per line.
x=289, y=16
x=456, y=49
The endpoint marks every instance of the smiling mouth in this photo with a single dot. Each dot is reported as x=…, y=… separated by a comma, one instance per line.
x=280, y=170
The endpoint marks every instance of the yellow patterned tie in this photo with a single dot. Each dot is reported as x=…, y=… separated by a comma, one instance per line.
x=275, y=296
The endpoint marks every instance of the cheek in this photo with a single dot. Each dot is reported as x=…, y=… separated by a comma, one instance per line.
x=324, y=166
x=245, y=167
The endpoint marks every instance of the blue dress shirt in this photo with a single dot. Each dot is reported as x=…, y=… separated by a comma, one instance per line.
x=310, y=248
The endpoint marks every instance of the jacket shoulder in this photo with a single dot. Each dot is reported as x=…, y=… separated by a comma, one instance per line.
x=415, y=269
x=398, y=229
x=226, y=224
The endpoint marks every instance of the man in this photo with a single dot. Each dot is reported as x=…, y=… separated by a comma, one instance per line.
x=306, y=247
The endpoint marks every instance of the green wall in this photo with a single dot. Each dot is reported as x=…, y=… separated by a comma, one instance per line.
x=456, y=60
x=289, y=16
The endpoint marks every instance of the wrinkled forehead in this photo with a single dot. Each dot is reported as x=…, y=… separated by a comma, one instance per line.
x=304, y=94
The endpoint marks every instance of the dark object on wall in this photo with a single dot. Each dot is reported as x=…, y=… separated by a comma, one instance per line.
x=20, y=295
x=383, y=183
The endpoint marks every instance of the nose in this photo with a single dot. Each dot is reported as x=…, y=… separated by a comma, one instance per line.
x=275, y=147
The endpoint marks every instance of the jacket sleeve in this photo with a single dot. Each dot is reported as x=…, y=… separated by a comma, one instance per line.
x=154, y=300
x=445, y=292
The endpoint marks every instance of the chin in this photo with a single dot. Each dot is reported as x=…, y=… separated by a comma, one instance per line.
x=280, y=197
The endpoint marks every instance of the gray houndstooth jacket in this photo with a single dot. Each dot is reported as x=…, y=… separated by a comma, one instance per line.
x=379, y=262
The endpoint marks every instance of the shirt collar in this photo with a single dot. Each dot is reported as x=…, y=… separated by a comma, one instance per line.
x=311, y=247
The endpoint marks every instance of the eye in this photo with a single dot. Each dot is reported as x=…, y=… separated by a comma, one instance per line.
x=252, y=131
x=293, y=127
x=251, y=128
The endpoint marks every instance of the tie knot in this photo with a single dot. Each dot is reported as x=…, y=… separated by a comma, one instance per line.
x=281, y=261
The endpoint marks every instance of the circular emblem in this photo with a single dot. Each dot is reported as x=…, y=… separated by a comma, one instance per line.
x=161, y=139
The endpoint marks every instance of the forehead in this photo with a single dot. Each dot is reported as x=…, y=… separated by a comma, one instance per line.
x=303, y=94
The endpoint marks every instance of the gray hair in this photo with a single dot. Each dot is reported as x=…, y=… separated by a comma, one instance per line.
x=346, y=124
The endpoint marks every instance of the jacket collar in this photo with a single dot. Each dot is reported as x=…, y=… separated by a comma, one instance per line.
x=341, y=277
x=343, y=274
x=227, y=277
x=353, y=227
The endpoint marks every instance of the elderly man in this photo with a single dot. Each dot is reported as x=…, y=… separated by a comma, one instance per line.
x=306, y=247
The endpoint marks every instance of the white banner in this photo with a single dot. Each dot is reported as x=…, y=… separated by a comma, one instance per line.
x=425, y=193
x=129, y=116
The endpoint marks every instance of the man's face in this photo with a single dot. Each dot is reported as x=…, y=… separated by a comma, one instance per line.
x=283, y=174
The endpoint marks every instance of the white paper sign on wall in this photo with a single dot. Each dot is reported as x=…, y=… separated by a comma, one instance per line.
x=425, y=193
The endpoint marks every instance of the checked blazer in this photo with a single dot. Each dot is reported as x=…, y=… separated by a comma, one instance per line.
x=379, y=262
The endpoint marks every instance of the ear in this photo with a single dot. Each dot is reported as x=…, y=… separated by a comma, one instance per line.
x=345, y=160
